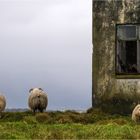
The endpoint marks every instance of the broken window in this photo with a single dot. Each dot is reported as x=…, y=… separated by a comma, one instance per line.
x=128, y=49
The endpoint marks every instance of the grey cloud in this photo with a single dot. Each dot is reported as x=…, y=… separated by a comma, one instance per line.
x=46, y=44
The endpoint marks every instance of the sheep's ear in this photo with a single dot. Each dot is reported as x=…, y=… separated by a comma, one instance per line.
x=30, y=89
x=40, y=89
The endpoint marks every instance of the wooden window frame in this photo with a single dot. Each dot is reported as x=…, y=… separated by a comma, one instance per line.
x=126, y=75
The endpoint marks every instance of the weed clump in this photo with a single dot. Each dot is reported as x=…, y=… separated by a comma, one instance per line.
x=63, y=118
x=42, y=117
x=30, y=120
x=13, y=116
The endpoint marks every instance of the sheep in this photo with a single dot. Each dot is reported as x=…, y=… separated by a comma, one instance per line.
x=2, y=104
x=136, y=114
x=37, y=100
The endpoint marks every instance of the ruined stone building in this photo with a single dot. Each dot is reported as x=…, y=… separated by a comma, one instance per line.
x=116, y=54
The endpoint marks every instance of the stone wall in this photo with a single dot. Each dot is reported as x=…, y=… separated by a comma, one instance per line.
x=108, y=91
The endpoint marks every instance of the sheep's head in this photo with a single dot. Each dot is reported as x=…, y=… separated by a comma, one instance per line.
x=35, y=89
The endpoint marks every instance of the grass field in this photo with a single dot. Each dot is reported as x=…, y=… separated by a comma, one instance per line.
x=67, y=125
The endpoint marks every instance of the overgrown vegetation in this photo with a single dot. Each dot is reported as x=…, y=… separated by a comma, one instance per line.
x=67, y=125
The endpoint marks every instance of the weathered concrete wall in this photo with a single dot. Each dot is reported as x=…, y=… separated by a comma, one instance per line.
x=108, y=91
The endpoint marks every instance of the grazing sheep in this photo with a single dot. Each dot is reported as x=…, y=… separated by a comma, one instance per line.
x=136, y=114
x=37, y=100
x=2, y=104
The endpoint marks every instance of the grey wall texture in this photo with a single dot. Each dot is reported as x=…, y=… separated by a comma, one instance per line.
x=110, y=92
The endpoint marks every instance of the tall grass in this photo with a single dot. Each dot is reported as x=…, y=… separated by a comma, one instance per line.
x=67, y=125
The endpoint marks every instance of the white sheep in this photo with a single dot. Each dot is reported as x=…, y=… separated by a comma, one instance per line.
x=37, y=100
x=136, y=114
x=2, y=104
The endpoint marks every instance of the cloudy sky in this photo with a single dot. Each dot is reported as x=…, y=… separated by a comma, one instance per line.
x=47, y=44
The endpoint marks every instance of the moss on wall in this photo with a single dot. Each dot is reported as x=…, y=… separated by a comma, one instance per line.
x=107, y=89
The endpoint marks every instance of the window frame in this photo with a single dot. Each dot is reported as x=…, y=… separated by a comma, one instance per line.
x=127, y=75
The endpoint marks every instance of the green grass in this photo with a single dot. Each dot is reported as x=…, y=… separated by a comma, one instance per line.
x=67, y=125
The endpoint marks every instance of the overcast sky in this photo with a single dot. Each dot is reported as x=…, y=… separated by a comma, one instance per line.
x=47, y=44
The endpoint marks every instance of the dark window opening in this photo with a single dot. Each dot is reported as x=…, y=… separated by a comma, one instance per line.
x=131, y=56
x=128, y=50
